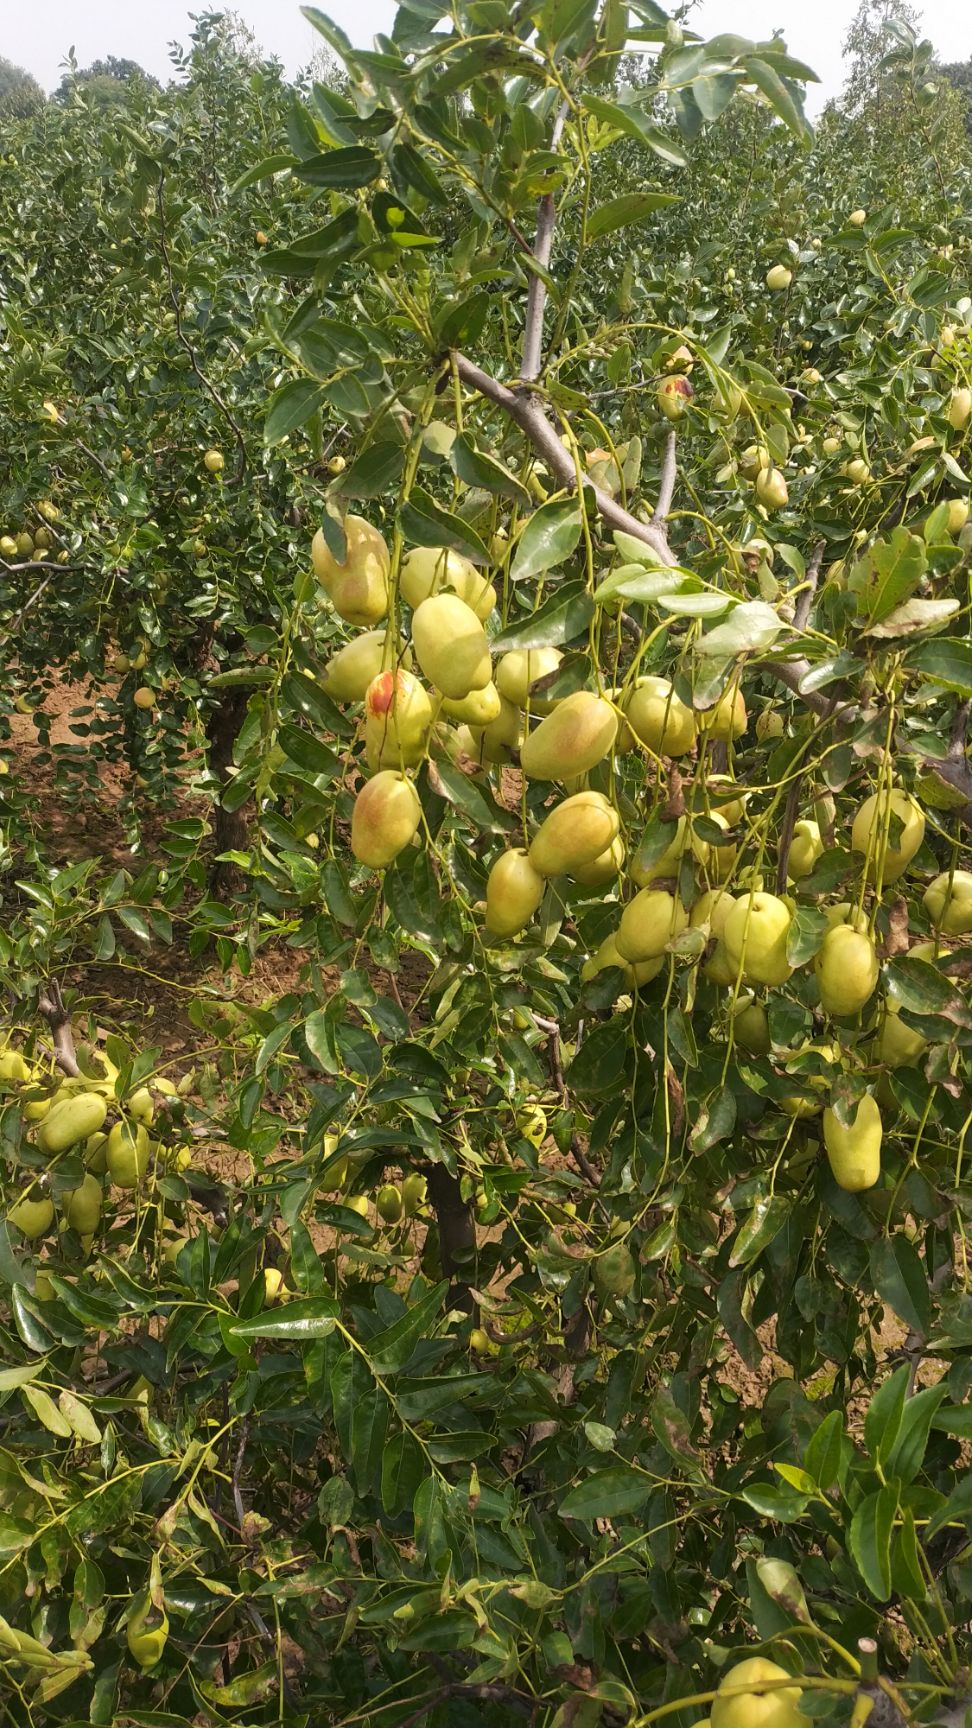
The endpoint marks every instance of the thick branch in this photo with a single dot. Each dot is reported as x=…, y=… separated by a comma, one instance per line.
x=666, y=484
x=802, y=611
x=542, y=247
x=527, y=412
x=50, y=1003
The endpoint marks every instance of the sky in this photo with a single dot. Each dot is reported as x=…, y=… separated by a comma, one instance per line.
x=38, y=35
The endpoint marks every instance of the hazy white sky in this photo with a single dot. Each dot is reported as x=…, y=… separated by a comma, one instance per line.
x=38, y=34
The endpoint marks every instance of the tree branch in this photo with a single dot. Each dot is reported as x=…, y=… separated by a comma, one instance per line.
x=50, y=1003
x=802, y=611
x=542, y=247
x=666, y=484
x=527, y=412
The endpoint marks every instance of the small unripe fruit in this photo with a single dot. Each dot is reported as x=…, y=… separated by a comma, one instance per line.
x=854, y=1152
x=673, y=396
x=144, y=697
x=214, y=461
x=959, y=408
x=388, y=1203
x=857, y=470
x=857, y=218
x=771, y=488
x=779, y=278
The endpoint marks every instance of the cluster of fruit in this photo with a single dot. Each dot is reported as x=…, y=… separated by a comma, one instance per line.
x=467, y=707
x=34, y=544
x=74, y=1138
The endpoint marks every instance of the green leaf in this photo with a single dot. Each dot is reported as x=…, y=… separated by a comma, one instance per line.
x=882, y=1421
x=625, y=211
x=374, y=473
x=767, y=1217
x=307, y=751
x=564, y=615
x=918, y=986
x=298, y=1322
x=291, y=407
x=403, y=1468
x=948, y=662
x=825, y=1449
x=425, y=523
x=345, y=169
x=269, y=166
x=391, y=1350
x=888, y=573
x=782, y=96
x=47, y=1411
x=869, y=1539
x=750, y=627
x=907, y=1455
x=609, y=1493
x=478, y=469
x=548, y=539
x=901, y=1281
x=450, y=782
x=629, y=118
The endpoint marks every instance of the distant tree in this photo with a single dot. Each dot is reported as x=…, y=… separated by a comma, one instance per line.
x=959, y=75
x=866, y=44
x=20, y=94
x=105, y=79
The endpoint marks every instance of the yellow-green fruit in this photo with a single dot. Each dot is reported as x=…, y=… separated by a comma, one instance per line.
x=82, y=1206
x=846, y=969
x=659, y=718
x=613, y=1272
x=779, y=278
x=71, y=1120
x=673, y=396
x=871, y=823
x=857, y=470
x=96, y=1153
x=450, y=645
x=428, y=570
x=358, y=587
x=831, y=445
x=144, y=697
x=32, y=1214
x=958, y=514
x=25, y=544
x=576, y=831
x=480, y=1343
x=948, y=902
x=752, y=1695
x=898, y=1045
x=500, y=736
x=531, y=1120
x=146, y=1634
x=13, y=1067
x=750, y=1028
x=607, y=955
x=274, y=1288
x=755, y=935
x=602, y=869
x=356, y=1203
x=670, y=862
x=728, y=719
x=141, y=1106
x=514, y=890
x=414, y=1191
x=520, y=668
x=649, y=923
x=385, y=819
x=711, y=911
x=388, y=1203
x=127, y=1154
x=398, y=718
x=715, y=858
x=855, y=1152
x=8, y=546
x=805, y=848
x=959, y=408
x=214, y=461
x=771, y=488
x=857, y=218
x=349, y=672
x=479, y=708
x=570, y=741
x=35, y=1109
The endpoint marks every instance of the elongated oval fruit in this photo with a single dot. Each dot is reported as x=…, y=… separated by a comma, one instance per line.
x=576, y=831
x=659, y=718
x=648, y=924
x=771, y=488
x=750, y=1027
x=358, y=587
x=959, y=408
x=13, y=1067
x=673, y=396
x=349, y=672
x=428, y=570
x=948, y=902
x=755, y=935
x=614, y=1272
x=606, y=955
x=479, y=708
x=398, y=718
x=846, y=969
x=898, y=1045
x=854, y=1152
x=602, y=869
x=521, y=667
x=71, y=1120
x=805, y=848
x=514, y=890
x=385, y=819
x=81, y=1206
x=874, y=820
x=127, y=1154
x=754, y=1694
x=450, y=645
x=572, y=739
x=728, y=719
x=33, y=1214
